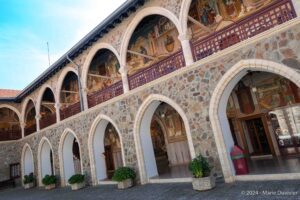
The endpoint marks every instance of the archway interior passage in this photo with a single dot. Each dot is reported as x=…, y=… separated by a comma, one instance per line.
x=28, y=163
x=69, y=96
x=154, y=39
x=164, y=142
x=30, y=118
x=10, y=128
x=71, y=157
x=103, y=71
x=208, y=16
x=47, y=109
x=46, y=160
x=263, y=112
x=107, y=150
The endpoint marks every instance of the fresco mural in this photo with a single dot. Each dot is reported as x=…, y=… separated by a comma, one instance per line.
x=103, y=71
x=30, y=116
x=217, y=14
x=69, y=90
x=154, y=39
x=8, y=120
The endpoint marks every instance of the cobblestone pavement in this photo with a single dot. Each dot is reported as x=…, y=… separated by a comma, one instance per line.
x=238, y=190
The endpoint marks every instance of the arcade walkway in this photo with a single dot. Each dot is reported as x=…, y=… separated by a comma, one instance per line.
x=235, y=191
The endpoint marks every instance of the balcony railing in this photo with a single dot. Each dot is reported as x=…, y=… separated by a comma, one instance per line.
x=30, y=129
x=276, y=13
x=106, y=94
x=10, y=135
x=70, y=111
x=157, y=70
x=47, y=120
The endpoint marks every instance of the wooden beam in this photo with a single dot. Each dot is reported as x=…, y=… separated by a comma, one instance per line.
x=143, y=55
x=100, y=76
x=66, y=91
x=200, y=25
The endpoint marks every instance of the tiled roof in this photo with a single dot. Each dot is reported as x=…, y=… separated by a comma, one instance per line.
x=5, y=93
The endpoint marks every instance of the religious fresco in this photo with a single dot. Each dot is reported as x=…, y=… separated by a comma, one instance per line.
x=103, y=71
x=158, y=140
x=30, y=117
x=9, y=120
x=112, y=138
x=69, y=90
x=47, y=110
x=154, y=39
x=217, y=14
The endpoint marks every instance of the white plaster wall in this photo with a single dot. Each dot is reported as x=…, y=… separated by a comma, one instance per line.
x=297, y=6
x=28, y=162
x=98, y=144
x=45, y=160
x=68, y=167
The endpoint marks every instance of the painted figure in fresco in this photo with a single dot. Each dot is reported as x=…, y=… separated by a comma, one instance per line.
x=144, y=51
x=208, y=15
x=169, y=43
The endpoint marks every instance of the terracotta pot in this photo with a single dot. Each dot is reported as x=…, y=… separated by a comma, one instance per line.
x=202, y=184
x=125, y=184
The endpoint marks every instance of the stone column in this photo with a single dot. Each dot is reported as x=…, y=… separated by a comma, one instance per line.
x=84, y=93
x=123, y=71
x=37, y=118
x=296, y=4
x=186, y=48
x=57, y=108
x=23, y=124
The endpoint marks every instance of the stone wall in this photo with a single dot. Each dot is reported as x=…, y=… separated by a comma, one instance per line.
x=190, y=88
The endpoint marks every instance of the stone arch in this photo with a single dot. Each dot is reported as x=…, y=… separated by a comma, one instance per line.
x=13, y=109
x=61, y=79
x=183, y=16
x=137, y=19
x=24, y=106
x=43, y=162
x=27, y=160
x=41, y=94
x=99, y=125
x=145, y=114
x=63, y=160
x=219, y=98
x=90, y=57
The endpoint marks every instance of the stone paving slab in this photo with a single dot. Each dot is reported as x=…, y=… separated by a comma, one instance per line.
x=182, y=191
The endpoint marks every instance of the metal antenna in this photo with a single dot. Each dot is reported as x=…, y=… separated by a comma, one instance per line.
x=48, y=54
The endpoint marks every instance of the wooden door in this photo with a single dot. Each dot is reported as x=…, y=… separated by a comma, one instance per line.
x=110, y=168
x=258, y=136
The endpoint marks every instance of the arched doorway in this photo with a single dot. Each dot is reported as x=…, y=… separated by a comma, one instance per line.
x=46, y=164
x=70, y=156
x=47, y=109
x=69, y=96
x=30, y=118
x=154, y=39
x=27, y=161
x=102, y=73
x=106, y=150
x=246, y=116
x=163, y=145
x=10, y=128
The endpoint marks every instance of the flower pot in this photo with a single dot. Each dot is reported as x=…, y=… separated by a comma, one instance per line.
x=125, y=184
x=28, y=185
x=202, y=184
x=77, y=186
x=50, y=187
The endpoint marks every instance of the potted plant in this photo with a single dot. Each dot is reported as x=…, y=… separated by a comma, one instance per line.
x=77, y=181
x=49, y=182
x=28, y=181
x=124, y=176
x=201, y=170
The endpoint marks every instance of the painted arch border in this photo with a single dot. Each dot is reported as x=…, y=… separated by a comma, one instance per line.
x=60, y=154
x=26, y=145
x=41, y=143
x=137, y=126
x=41, y=95
x=91, y=136
x=226, y=83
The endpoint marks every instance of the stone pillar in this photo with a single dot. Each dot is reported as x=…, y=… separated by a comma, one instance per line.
x=123, y=71
x=84, y=93
x=296, y=4
x=23, y=124
x=186, y=48
x=37, y=118
x=57, y=108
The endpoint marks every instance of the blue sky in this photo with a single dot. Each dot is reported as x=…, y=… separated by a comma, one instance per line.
x=27, y=25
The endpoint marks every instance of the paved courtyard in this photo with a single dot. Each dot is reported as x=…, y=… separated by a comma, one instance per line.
x=238, y=190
